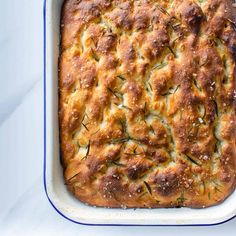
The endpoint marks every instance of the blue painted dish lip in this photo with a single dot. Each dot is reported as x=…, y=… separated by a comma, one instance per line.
x=45, y=166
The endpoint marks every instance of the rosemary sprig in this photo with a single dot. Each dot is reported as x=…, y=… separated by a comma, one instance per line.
x=88, y=150
x=116, y=94
x=85, y=115
x=218, y=190
x=119, y=140
x=123, y=124
x=171, y=91
x=96, y=132
x=232, y=22
x=111, y=91
x=145, y=110
x=148, y=187
x=204, y=63
x=213, y=181
x=174, y=27
x=118, y=164
x=151, y=128
x=181, y=199
x=192, y=160
x=135, y=140
x=171, y=50
x=217, y=145
x=142, y=194
x=121, y=77
x=196, y=84
x=133, y=154
x=209, y=195
x=161, y=9
x=126, y=107
x=68, y=180
x=135, y=149
x=94, y=42
x=216, y=107
x=216, y=186
x=148, y=87
x=160, y=66
x=85, y=126
x=82, y=122
x=94, y=55
x=175, y=89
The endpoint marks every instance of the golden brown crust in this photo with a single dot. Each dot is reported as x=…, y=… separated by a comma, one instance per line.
x=148, y=101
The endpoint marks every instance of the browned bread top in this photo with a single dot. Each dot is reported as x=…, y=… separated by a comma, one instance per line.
x=147, y=101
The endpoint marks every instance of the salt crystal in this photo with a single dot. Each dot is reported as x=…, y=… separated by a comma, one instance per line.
x=200, y=120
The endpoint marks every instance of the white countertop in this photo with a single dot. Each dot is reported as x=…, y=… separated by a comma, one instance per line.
x=24, y=208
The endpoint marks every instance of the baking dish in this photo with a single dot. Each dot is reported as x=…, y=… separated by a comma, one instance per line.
x=60, y=198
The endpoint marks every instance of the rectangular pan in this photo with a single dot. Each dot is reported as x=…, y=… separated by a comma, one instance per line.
x=63, y=202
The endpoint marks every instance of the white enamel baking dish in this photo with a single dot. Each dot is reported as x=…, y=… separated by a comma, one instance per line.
x=63, y=202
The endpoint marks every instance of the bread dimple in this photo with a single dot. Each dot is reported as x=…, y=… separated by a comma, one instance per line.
x=147, y=102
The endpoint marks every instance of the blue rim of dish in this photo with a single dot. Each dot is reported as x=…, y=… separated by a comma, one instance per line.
x=44, y=165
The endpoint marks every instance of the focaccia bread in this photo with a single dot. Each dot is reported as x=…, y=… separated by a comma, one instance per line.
x=147, y=102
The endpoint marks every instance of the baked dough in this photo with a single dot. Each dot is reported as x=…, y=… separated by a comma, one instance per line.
x=147, y=102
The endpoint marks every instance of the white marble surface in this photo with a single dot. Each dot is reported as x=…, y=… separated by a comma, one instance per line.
x=24, y=209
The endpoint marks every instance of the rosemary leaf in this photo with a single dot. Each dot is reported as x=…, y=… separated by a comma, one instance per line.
x=148, y=187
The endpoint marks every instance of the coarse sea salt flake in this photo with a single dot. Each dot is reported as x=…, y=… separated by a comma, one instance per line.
x=200, y=120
